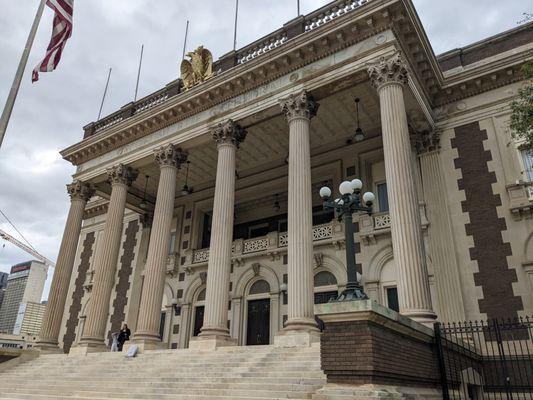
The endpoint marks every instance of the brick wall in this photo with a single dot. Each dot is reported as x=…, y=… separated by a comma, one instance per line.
x=365, y=352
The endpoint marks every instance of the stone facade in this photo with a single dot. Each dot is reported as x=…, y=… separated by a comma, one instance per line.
x=449, y=239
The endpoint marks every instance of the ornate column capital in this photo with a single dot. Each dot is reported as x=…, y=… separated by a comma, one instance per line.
x=426, y=142
x=80, y=190
x=170, y=156
x=300, y=105
x=121, y=174
x=229, y=132
x=389, y=70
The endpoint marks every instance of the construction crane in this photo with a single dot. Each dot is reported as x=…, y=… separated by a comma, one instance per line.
x=6, y=236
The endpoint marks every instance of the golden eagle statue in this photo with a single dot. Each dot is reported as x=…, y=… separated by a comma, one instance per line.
x=198, y=69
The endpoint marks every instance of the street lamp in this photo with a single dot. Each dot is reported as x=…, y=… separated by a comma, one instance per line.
x=350, y=202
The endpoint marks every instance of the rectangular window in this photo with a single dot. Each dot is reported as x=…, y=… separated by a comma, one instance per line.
x=383, y=199
x=392, y=299
x=527, y=157
x=172, y=244
x=258, y=230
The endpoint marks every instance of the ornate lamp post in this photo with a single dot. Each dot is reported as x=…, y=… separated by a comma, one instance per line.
x=350, y=202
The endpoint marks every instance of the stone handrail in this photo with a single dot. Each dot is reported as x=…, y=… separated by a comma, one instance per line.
x=271, y=242
x=272, y=41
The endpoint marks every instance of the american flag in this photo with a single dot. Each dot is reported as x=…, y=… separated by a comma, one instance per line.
x=62, y=30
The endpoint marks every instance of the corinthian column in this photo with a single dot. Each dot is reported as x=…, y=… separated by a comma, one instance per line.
x=79, y=193
x=299, y=109
x=389, y=77
x=215, y=330
x=120, y=177
x=440, y=233
x=169, y=159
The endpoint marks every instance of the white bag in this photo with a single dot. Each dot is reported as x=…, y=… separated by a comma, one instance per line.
x=132, y=351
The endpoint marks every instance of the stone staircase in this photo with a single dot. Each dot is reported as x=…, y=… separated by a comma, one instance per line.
x=231, y=373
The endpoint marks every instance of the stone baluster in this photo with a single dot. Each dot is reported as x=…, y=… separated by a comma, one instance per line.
x=301, y=327
x=120, y=177
x=169, y=159
x=215, y=331
x=79, y=193
x=389, y=76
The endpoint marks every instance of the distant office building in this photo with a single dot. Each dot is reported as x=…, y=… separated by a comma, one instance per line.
x=29, y=319
x=25, y=285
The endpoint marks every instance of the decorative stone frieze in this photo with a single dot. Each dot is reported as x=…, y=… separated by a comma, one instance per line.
x=80, y=190
x=229, y=132
x=301, y=105
x=121, y=174
x=389, y=70
x=170, y=156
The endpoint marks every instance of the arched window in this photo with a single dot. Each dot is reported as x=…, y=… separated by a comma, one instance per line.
x=260, y=287
x=201, y=296
x=325, y=278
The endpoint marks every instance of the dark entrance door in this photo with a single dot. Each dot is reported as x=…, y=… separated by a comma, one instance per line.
x=198, y=320
x=258, y=331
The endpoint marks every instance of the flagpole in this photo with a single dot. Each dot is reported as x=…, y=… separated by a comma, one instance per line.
x=10, y=102
x=185, y=41
x=105, y=93
x=235, y=30
x=139, y=73
x=298, y=7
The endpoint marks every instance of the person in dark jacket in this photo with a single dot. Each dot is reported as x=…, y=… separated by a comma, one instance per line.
x=123, y=336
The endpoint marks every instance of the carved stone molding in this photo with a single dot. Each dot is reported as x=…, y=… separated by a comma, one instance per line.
x=203, y=277
x=389, y=70
x=80, y=190
x=301, y=105
x=170, y=156
x=229, y=132
x=121, y=174
x=256, y=267
x=426, y=142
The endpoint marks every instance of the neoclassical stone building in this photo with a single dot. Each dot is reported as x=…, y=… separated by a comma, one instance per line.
x=195, y=216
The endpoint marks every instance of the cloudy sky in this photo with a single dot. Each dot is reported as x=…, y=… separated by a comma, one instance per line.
x=49, y=115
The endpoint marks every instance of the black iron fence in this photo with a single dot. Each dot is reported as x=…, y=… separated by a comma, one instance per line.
x=486, y=360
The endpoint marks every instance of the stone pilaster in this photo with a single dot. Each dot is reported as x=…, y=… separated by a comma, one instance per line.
x=215, y=331
x=169, y=159
x=79, y=193
x=440, y=234
x=106, y=257
x=389, y=76
x=299, y=109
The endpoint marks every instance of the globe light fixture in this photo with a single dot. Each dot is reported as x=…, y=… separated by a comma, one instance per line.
x=186, y=190
x=359, y=134
x=345, y=206
x=142, y=204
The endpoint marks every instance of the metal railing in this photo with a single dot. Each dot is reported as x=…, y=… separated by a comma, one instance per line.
x=486, y=359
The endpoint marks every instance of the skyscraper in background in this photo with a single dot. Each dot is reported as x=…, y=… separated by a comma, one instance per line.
x=25, y=285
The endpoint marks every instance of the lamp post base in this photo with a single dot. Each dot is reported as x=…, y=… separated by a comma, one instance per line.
x=351, y=294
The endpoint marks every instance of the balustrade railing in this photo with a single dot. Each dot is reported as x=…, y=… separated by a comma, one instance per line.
x=272, y=241
x=382, y=221
x=264, y=45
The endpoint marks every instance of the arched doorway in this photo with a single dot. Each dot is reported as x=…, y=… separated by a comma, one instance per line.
x=198, y=312
x=258, y=314
x=326, y=287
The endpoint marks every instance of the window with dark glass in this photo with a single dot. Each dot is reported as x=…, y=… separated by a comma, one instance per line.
x=527, y=157
x=392, y=299
x=206, y=231
x=383, y=199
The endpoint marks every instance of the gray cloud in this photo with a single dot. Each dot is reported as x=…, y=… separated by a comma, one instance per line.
x=108, y=33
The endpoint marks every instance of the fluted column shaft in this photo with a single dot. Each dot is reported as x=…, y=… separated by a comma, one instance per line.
x=106, y=258
x=169, y=159
x=299, y=110
x=408, y=247
x=228, y=136
x=441, y=242
x=79, y=193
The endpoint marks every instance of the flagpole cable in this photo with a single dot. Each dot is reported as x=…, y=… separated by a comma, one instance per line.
x=185, y=41
x=139, y=73
x=105, y=92
x=10, y=102
x=235, y=30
